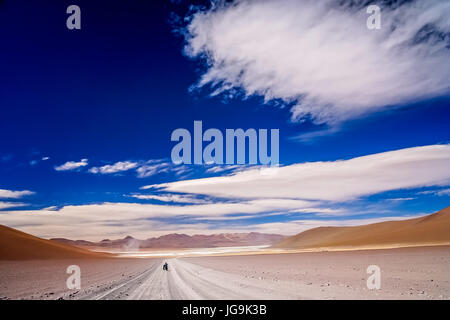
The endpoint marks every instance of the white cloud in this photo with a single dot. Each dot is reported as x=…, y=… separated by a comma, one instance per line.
x=10, y=194
x=330, y=181
x=114, y=168
x=177, y=198
x=441, y=192
x=321, y=57
x=222, y=168
x=401, y=199
x=143, y=168
x=6, y=205
x=297, y=226
x=72, y=165
x=87, y=220
x=320, y=211
x=96, y=222
x=445, y=192
x=116, y=212
x=151, y=168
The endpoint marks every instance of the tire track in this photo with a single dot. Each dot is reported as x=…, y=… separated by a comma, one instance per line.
x=120, y=290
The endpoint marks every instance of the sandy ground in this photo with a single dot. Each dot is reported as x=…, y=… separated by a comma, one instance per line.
x=46, y=279
x=409, y=273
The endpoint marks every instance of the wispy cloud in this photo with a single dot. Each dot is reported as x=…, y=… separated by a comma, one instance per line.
x=440, y=192
x=297, y=226
x=7, y=205
x=224, y=168
x=143, y=168
x=445, y=192
x=72, y=165
x=36, y=161
x=152, y=167
x=10, y=194
x=114, y=168
x=176, y=198
x=304, y=53
x=330, y=181
x=401, y=199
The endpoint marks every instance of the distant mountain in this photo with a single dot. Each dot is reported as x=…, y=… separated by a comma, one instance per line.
x=177, y=240
x=17, y=245
x=433, y=229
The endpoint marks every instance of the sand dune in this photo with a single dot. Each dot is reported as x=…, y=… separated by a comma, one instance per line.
x=17, y=245
x=433, y=229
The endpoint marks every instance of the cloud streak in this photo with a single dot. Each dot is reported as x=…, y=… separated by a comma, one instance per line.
x=114, y=220
x=341, y=180
x=175, y=198
x=10, y=194
x=72, y=165
x=114, y=168
x=7, y=205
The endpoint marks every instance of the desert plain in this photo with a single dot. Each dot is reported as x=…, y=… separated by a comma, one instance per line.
x=413, y=259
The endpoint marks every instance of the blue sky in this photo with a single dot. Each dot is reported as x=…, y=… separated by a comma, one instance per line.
x=87, y=116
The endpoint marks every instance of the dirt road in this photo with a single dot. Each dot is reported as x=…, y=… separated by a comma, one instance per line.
x=185, y=280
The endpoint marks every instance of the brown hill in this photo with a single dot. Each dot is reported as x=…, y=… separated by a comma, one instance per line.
x=177, y=240
x=433, y=229
x=17, y=245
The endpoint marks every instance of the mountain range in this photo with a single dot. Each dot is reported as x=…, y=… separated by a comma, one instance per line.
x=177, y=240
